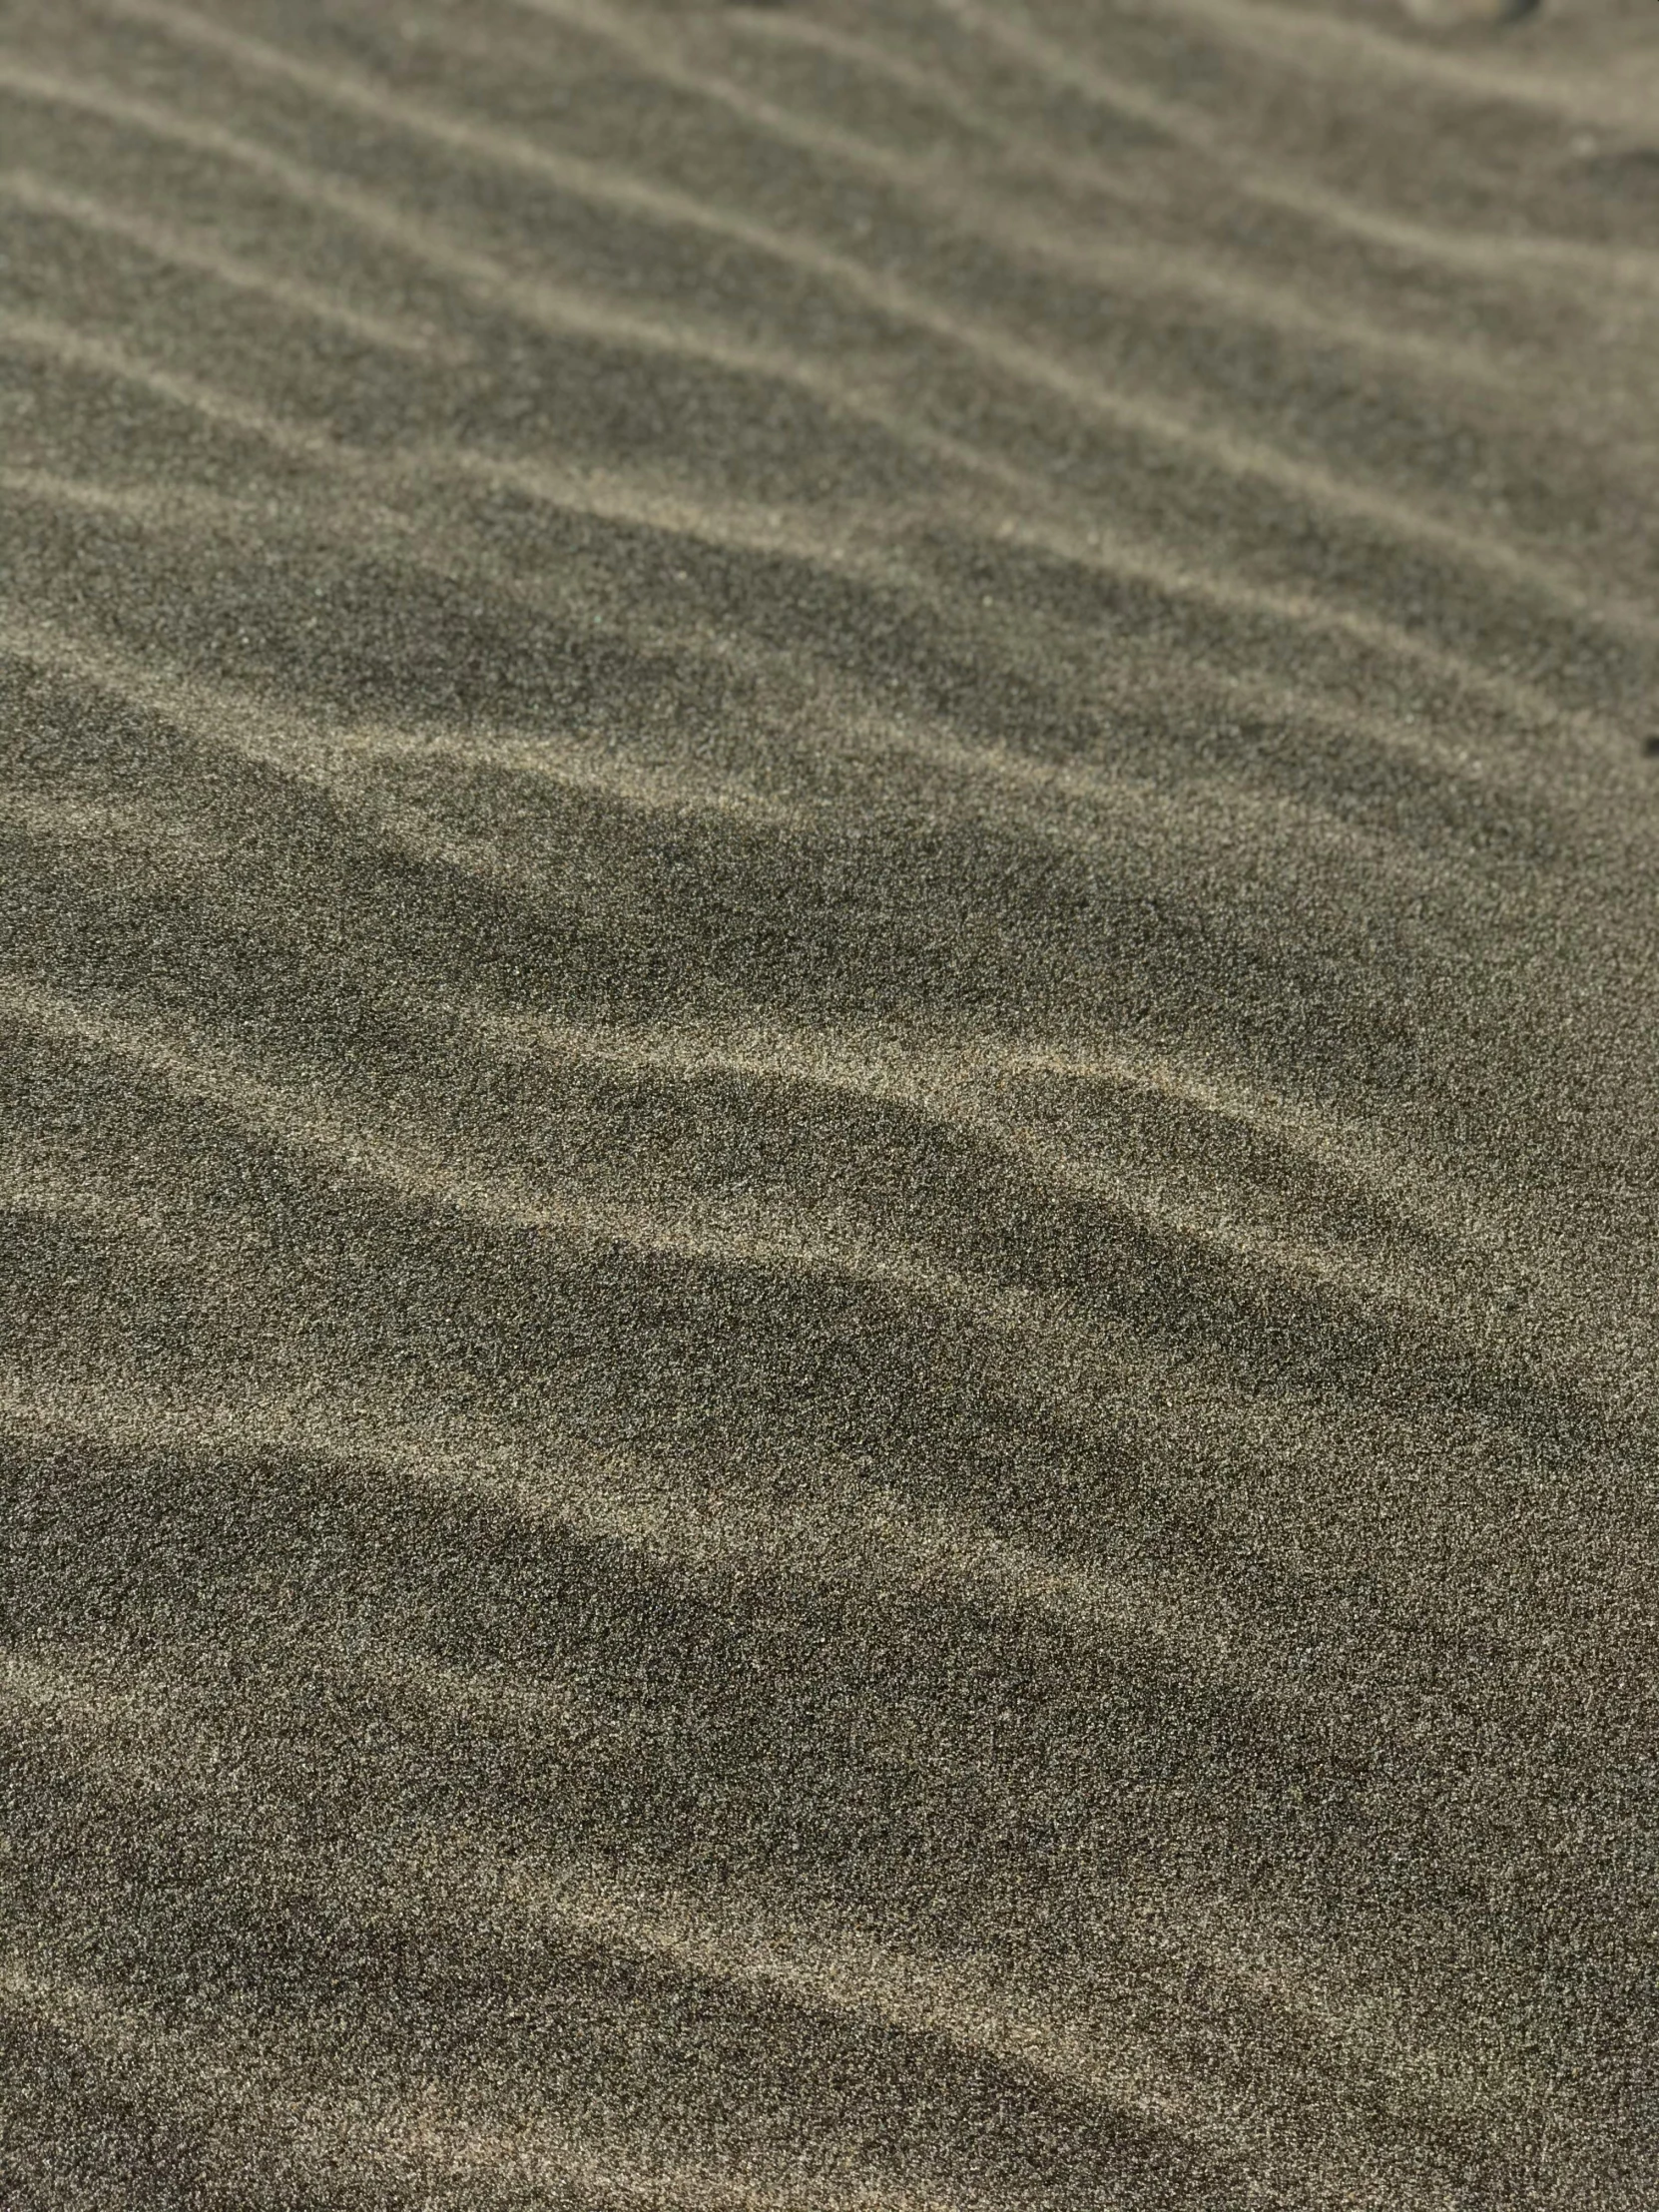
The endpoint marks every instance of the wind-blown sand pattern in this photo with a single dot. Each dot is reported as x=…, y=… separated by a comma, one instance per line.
x=831, y=1138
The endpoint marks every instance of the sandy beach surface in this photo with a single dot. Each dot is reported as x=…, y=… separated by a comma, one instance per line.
x=828, y=1129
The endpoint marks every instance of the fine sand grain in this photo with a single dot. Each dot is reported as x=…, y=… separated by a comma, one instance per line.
x=829, y=974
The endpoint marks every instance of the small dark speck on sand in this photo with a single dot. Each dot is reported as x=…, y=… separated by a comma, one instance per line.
x=1650, y=745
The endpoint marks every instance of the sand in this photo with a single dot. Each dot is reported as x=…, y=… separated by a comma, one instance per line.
x=827, y=971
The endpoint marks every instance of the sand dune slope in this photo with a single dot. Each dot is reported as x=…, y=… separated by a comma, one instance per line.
x=827, y=971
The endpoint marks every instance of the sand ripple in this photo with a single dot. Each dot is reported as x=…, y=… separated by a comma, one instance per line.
x=827, y=1372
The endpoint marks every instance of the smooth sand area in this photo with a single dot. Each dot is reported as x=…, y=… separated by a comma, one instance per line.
x=828, y=1021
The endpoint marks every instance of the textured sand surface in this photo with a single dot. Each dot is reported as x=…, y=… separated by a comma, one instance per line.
x=828, y=1005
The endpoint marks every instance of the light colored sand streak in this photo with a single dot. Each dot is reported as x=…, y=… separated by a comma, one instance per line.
x=1229, y=455
x=182, y=250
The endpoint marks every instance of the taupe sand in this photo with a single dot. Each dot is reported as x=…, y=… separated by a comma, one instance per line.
x=828, y=1021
